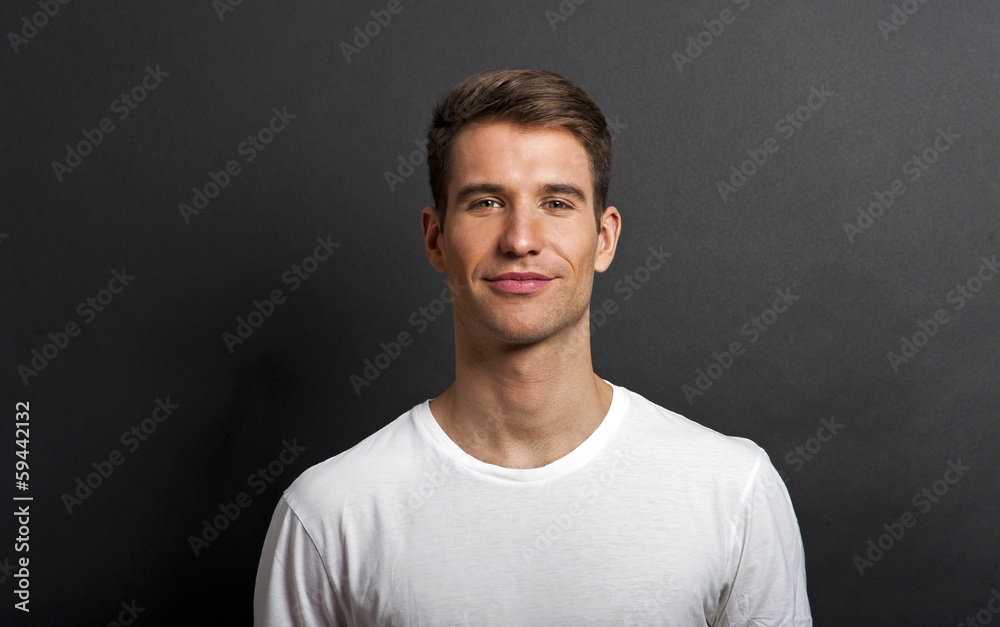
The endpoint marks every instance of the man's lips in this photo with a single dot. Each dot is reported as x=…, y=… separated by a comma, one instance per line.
x=519, y=282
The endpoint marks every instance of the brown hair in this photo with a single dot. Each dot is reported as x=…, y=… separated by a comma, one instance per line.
x=529, y=98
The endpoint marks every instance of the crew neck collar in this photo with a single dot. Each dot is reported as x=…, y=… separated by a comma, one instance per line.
x=576, y=458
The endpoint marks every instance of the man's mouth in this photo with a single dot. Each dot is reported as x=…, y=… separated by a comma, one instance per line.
x=519, y=282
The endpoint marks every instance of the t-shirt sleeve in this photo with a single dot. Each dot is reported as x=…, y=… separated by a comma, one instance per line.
x=293, y=586
x=769, y=583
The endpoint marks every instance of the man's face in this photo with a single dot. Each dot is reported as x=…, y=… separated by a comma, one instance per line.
x=520, y=245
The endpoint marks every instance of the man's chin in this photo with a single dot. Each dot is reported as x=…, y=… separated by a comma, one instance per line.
x=523, y=334
x=520, y=338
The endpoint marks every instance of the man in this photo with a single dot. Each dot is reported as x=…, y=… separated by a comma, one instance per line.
x=531, y=491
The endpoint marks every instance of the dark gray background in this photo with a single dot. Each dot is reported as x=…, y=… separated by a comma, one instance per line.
x=324, y=174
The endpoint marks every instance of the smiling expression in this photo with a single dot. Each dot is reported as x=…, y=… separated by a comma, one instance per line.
x=520, y=246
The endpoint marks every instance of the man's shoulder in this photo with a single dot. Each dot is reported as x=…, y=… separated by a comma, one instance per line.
x=359, y=468
x=679, y=437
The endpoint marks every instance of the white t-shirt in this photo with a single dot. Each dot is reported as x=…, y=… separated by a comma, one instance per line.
x=653, y=520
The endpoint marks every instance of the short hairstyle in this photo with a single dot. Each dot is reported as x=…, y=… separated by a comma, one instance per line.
x=528, y=98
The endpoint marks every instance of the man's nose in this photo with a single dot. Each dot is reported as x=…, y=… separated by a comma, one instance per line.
x=522, y=233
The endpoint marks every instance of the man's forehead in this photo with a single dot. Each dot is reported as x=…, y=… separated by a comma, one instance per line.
x=495, y=131
x=487, y=150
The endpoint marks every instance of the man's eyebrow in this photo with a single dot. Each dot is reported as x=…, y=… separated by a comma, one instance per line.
x=475, y=189
x=565, y=189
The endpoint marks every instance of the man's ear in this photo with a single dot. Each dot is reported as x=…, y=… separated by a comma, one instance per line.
x=430, y=222
x=607, y=238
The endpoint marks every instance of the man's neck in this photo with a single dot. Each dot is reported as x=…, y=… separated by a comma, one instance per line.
x=523, y=407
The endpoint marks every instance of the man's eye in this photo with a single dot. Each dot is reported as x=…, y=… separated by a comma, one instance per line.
x=557, y=204
x=486, y=202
